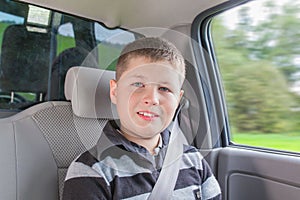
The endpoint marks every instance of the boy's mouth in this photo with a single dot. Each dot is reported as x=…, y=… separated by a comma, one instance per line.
x=146, y=115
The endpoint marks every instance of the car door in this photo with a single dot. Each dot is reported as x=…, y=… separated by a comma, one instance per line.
x=248, y=52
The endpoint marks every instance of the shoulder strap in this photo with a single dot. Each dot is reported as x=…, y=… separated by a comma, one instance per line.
x=164, y=187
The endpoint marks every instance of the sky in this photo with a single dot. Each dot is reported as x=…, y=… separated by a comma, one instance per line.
x=256, y=10
x=103, y=34
x=4, y=17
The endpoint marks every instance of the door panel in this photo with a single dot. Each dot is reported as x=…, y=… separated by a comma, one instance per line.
x=249, y=174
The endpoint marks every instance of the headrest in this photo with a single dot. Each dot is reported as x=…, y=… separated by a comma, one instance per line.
x=24, y=60
x=88, y=91
x=68, y=58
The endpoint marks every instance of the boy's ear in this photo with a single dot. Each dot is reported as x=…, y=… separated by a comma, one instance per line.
x=113, y=91
x=180, y=95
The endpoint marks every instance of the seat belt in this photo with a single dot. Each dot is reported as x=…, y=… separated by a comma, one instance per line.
x=165, y=184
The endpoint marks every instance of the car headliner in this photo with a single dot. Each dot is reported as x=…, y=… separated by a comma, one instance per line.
x=132, y=13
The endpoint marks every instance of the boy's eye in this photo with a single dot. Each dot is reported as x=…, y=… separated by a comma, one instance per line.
x=138, y=84
x=164, y=89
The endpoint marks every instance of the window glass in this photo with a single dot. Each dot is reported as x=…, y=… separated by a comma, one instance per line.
x=7, y=19
x=257, y=48
x=65, y=37
x=110, y=44
x=8, y=98
x=38, y=46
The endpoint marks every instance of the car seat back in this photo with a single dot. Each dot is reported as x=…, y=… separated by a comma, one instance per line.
x=39, y=143
x=25, y=58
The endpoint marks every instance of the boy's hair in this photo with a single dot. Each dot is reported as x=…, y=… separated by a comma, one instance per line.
x=152, y=48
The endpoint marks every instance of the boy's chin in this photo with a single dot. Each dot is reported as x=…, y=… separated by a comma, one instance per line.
x=144, y=129
x=148, y=131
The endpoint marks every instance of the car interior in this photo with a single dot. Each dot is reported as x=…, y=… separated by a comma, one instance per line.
x=56, y=60
x=48, y=136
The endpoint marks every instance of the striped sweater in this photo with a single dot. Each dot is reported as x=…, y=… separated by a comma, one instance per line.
x=119, y=169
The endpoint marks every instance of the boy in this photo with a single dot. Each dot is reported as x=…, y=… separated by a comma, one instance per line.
x=126, y=162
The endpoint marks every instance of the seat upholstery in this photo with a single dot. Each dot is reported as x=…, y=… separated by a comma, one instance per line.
x=90, y=100
x=38, y=144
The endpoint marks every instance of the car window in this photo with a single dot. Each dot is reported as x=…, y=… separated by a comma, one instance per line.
x=257, y=50
x=109, y=45
x=65, y=37
x=39, y=45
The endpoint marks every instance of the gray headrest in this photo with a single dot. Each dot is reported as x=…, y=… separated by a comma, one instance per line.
x=88, y=91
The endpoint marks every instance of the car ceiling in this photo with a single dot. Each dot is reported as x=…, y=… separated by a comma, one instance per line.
x=132, y=13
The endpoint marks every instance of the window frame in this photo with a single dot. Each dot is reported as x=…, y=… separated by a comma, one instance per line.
x=208, y=66
x=206, y=59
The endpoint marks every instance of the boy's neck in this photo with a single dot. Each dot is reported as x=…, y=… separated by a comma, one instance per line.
x=148, y=143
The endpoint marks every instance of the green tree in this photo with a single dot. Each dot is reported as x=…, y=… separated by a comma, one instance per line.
x=259, y=97
x=276, y=38
x=256, y=61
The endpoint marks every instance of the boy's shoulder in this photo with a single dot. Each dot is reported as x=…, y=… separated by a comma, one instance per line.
x=87, y=158
x=189, y=149
x=192, y=156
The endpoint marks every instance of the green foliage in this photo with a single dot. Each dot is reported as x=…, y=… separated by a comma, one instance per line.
x=256, y=63
x=108, y=55
x=3, y=26
x=259, y=97
x=276, y=38
x=64, y=42
x=284, y=141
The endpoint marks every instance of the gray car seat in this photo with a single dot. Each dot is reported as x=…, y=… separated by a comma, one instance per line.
x=38, y=144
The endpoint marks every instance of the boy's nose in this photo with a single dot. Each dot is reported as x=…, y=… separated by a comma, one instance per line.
x=151, y=96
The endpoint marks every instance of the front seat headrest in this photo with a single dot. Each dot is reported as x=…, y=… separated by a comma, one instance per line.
x=88, y=91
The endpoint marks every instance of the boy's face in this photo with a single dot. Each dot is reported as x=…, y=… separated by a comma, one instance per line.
x=146, y=95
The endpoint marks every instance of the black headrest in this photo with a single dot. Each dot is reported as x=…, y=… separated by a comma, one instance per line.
x=25, y=60
x=75, y=56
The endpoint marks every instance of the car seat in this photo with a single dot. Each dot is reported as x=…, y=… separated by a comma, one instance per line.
x=38, y=144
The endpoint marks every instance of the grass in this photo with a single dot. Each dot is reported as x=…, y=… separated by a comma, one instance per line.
x=3, y=26
x=64, y=42
x=108, y=56
x=287, y=142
